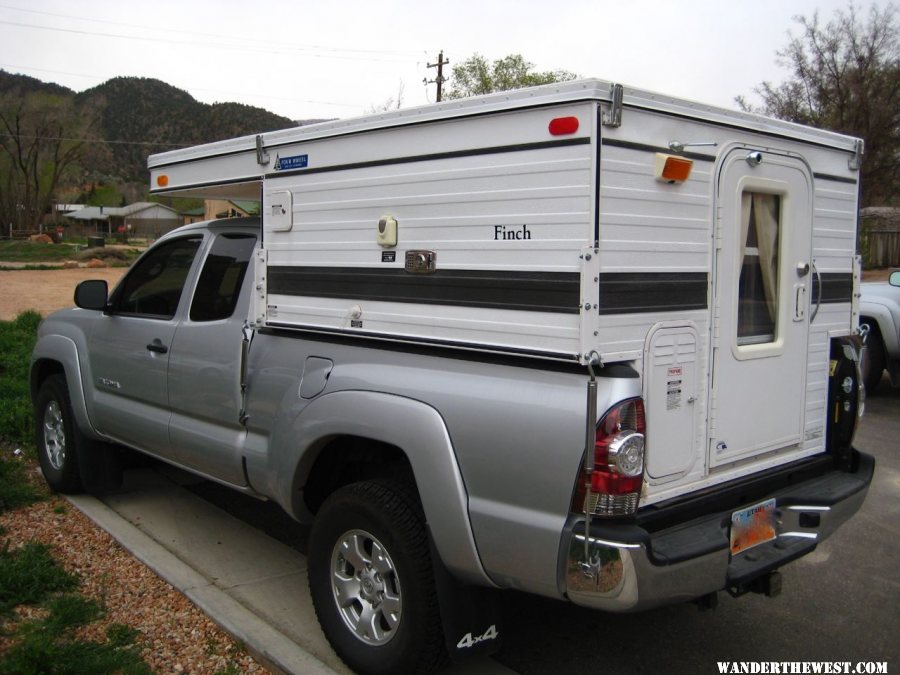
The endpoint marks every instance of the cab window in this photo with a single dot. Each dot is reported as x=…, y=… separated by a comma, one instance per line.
x=220, y=280
x=154, y=285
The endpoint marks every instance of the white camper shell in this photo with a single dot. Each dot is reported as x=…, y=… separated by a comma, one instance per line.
x=713, y=250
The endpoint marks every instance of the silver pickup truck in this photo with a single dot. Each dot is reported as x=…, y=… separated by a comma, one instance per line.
x=431, y=476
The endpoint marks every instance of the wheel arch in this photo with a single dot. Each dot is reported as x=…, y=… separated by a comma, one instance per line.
x=880, y=318
x=360, y=435
x=57, y=354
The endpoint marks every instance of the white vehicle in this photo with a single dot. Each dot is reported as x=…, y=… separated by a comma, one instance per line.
x=580, y=341
x=879, y=318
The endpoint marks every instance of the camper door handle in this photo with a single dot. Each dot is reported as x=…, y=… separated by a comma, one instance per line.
x=818, y=285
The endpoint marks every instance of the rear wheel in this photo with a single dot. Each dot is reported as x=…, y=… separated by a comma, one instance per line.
x=371, y=580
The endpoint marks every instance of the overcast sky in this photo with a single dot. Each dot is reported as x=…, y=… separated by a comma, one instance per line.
x=304, y=59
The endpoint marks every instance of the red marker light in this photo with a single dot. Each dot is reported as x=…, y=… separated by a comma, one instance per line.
x=563, y=126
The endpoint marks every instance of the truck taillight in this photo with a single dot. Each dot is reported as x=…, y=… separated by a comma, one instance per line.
x=612, y=485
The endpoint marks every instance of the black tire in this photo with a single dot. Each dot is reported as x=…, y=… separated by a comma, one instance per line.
x=55, y=436
x=70, y=461
x=381, y=524
x=872, y=366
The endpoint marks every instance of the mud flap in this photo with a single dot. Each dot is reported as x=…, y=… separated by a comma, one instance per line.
x=843, y=400
x=100, y=467
x=470, y=614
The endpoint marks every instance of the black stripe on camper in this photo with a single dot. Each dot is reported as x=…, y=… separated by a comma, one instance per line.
x=836, y=179
x=836, y=287
x=643, y=147
x=528, y=291
x=472, y=152
x=633, y=292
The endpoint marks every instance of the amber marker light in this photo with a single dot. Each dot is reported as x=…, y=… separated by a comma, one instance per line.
x=671, y=169
x=162, y=180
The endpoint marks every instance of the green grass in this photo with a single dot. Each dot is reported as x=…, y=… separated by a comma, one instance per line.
x=29, y=575
x=15, y=489
x=30, y=251
x=49, y=266
x=50, y=646
x=17, y=339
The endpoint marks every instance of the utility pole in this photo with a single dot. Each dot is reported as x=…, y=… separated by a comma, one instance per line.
x=440, y=79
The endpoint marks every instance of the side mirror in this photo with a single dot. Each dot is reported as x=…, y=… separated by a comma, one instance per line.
x=92, y=294
x=894, y=279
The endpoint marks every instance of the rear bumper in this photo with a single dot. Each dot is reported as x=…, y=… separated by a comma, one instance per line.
x=624, y=568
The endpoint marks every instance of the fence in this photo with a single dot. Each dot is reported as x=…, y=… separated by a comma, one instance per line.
x=879, y=237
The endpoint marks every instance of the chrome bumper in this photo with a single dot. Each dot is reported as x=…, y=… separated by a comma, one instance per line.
x=626, y=573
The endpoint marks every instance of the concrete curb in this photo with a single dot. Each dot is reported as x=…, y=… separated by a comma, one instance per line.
x=268, y=645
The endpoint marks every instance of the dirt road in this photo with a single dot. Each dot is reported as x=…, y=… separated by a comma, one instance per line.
x=46, y=290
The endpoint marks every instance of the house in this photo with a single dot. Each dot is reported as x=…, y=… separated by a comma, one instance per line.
x=193, y=215
x=230, y=208
x=141, y=218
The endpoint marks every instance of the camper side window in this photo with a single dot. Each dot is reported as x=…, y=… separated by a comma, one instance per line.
x=758, y=286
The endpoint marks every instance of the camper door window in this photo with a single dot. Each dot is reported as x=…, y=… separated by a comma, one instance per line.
x=758, y=285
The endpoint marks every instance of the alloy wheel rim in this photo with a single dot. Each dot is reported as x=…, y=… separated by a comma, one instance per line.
x=366, y=587
x=54, y=435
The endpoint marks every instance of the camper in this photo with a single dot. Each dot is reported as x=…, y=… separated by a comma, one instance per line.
x=579, y=340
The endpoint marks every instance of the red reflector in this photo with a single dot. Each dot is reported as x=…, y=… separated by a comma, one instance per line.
x=562, y=126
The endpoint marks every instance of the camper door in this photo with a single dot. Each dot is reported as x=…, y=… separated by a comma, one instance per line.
x=762, y=284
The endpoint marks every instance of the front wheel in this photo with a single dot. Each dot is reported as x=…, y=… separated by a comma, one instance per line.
x=55, y=436
x=371, y=580
x=70, y=461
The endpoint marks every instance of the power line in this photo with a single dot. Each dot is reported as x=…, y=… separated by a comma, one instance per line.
x=95, y=140
x=193, y=33
x=301, y=51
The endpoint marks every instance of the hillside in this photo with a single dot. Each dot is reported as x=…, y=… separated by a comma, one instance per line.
x=154, y=116
x=139, y=116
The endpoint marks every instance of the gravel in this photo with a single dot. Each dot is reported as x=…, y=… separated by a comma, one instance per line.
x=175, y=636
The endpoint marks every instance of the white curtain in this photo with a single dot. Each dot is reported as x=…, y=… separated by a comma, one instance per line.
x=765, y=211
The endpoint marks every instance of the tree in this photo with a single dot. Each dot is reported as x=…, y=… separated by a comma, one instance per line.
x=42, y=138
x=845, y=76
x=476, y=76
x=391, y=103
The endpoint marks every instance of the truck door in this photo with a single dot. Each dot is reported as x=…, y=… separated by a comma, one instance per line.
x=205, y=363
x=762, y=284
x=130, y=344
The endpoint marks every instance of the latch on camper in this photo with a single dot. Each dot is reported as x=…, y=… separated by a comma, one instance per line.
x=262, y=157
x=856, y=161
x=613, y=116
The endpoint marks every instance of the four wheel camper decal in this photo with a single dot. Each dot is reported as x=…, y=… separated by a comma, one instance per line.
x=293, y=162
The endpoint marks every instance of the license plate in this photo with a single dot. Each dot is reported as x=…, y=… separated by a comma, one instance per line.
x=752, y=526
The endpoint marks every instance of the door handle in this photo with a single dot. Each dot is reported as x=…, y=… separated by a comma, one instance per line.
x=817, y=285
x=158, y=347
